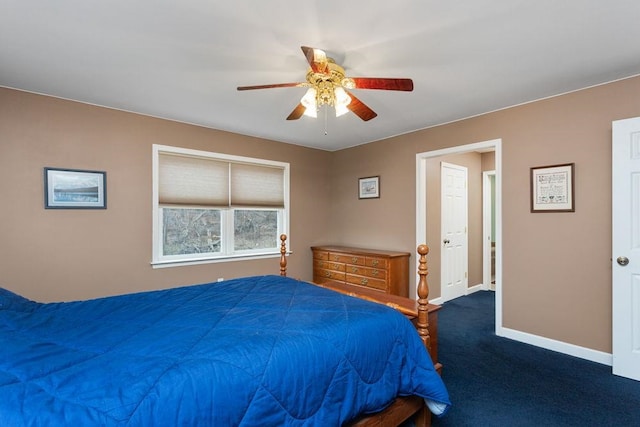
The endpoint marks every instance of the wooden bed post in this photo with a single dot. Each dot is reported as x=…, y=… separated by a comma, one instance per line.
x=283, y=255
x=423, y=297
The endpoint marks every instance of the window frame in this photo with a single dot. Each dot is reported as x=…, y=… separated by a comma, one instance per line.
x=226, y=214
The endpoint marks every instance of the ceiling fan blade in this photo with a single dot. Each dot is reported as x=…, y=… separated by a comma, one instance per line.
x=297, y=112
x=360, y=109
x=382, y=83
x=317, y=59
x=272, y=86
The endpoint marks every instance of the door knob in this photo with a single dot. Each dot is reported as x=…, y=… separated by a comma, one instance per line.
x=622, y=260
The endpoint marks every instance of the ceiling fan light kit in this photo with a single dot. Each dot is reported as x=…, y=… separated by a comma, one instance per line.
x=328, y=85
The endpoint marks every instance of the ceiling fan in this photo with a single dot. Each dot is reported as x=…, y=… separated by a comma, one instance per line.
x=328, y=85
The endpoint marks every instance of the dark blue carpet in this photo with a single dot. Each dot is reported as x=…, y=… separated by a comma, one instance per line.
x=500, y=382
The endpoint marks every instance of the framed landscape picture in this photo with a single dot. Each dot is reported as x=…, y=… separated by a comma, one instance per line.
x=74, y=189
x=369, y=187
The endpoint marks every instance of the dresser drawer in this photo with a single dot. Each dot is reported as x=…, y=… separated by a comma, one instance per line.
x=377, y=262
x=328, y=265
x=367, y=281
x=321, y=273
x=320, y=255
x=375, y=273
x=347, y=258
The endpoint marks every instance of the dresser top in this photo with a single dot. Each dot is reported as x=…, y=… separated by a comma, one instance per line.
x=360, y=251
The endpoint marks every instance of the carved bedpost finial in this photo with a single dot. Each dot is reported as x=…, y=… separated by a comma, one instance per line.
x=423, y=287
x=283, y=255
x=423, y=297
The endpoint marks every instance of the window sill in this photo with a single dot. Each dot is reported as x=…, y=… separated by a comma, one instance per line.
x=196, y=261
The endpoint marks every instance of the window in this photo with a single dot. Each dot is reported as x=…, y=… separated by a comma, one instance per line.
x=210, y=206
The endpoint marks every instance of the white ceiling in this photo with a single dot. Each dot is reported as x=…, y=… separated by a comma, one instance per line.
x=183, y=59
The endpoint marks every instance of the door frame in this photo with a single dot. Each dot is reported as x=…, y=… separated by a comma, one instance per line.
x=487, y=212
x=421, y=206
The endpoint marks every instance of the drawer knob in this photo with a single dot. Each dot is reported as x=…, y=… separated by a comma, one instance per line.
x=364, y=281
x=354, y=270
x=327, y=274
x=375, y=262
x=375, y=273
x=354, y=259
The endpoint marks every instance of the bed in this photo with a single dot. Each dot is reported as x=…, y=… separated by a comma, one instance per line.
x=261, y=350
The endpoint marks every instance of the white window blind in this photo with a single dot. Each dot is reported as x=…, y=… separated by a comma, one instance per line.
x=192, y=181
x=256, y=185
x=201, y=181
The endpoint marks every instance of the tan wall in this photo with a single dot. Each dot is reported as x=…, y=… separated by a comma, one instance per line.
x=488, y=161
x=556, y=266
x=70, y=254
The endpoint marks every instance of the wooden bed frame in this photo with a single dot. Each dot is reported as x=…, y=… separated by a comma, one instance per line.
x=424, y=317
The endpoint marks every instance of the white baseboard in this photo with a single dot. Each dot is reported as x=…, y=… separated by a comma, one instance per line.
x=476, y=288
x=559, y=346
x=436, y=301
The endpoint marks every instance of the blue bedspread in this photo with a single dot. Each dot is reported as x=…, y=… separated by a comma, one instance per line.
x=256, y=351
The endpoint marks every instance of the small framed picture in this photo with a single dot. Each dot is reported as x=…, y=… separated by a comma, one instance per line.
x=74, y=189
x=369, y=187
x=552, y=188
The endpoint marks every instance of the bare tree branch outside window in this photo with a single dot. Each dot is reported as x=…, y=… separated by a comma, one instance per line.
x=191, y=231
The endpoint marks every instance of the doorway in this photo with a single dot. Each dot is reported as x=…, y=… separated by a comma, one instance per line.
x=426, y=203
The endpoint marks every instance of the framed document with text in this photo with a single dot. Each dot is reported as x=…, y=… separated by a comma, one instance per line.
x=552, y=188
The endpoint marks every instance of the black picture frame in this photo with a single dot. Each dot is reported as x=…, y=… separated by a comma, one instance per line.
x=74, y=189
x=369, y=187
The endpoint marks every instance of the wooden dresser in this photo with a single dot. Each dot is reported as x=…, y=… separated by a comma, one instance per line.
x=384, y=271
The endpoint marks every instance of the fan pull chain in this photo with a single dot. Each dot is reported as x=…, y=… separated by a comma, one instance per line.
x=326, y=120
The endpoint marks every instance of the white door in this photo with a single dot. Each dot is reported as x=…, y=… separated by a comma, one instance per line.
x=626, y=248
x=454, y=243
